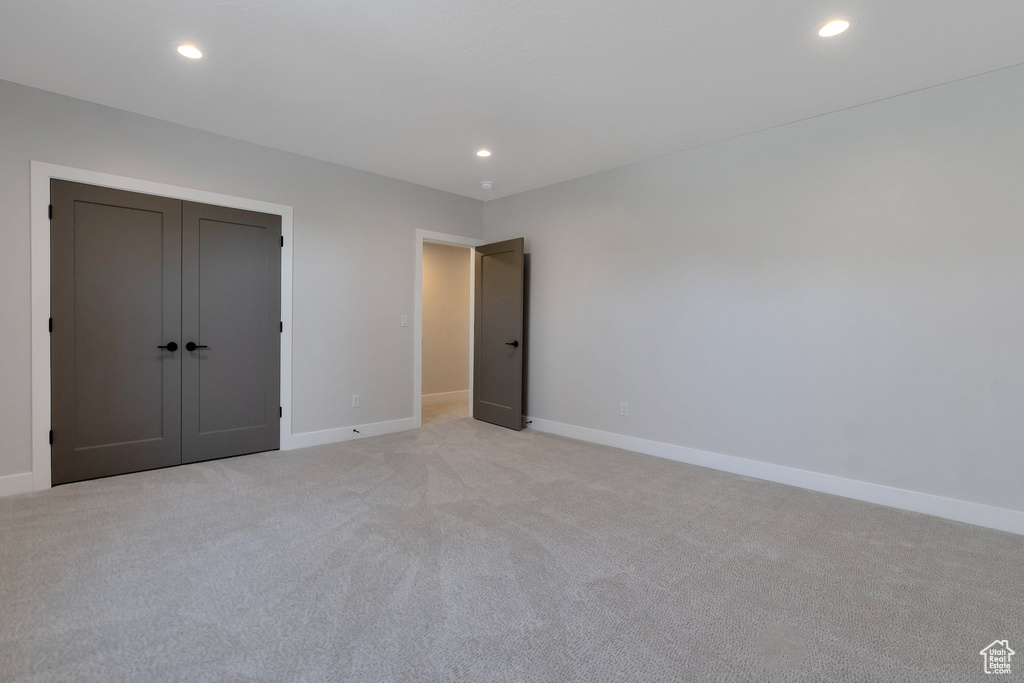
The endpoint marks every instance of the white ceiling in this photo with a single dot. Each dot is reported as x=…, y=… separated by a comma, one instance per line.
x=559, y=89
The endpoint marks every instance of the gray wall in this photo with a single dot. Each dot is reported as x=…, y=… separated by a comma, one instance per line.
x=843, y=295
x=354, y=250
x=445, y=318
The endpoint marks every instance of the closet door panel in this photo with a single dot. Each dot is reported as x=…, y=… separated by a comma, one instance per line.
x=115, y=300
x=231, y=313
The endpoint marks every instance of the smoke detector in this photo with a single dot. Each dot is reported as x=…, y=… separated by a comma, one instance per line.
x=487, y=184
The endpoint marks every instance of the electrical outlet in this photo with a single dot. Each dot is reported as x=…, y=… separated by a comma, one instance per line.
x=355, y=400
x=624, y=409
x=405, y=321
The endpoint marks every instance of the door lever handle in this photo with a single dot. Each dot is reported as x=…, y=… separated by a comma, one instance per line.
x=192, y=346
x=170, y=346
x=513, y=344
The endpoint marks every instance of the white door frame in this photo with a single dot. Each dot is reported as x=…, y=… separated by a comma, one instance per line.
x=417, y=362
x=40, y=290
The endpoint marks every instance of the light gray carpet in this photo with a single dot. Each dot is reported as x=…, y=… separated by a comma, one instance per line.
x=466, y=552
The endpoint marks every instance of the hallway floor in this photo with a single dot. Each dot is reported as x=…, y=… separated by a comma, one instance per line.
x=440, y=413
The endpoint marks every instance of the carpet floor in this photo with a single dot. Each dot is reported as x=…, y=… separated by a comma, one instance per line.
x=467, y=552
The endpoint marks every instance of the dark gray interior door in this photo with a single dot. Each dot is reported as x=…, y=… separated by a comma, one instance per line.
x=231, y=266
x=115, y=298
x=498, y=347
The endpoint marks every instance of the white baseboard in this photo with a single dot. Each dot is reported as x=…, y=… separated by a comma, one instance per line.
x=1002, y=519
x=23, y=483
x=16, y=483
x=306, y=439
x=445, y=397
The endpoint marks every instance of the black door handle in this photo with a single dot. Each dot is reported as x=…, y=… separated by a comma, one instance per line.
x=170, y=346
x=192, y=346
x=513, y=344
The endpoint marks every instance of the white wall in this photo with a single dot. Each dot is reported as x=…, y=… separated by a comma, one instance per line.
x=445, y=318
x=354, y=250
x=843, y=295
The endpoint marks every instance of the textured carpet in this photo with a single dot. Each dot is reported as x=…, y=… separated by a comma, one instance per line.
x=466, y=552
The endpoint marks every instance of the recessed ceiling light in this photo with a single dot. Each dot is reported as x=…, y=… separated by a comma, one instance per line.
x=833, y=28
x=190, y=51
x=484, y=153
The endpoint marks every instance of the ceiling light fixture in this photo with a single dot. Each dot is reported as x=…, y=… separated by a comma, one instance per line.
x=833, y=28
x=484, y=153
x=190, y=51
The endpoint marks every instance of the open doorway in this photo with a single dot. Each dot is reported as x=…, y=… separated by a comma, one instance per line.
x=444, y=327
x=446, y=330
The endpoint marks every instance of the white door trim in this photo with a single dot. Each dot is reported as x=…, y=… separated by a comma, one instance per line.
x=40, y=290
x=417, y=337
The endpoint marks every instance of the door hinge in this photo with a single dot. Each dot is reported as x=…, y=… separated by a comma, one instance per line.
x=282, y=326
x=50, y=210
x=51, y=325
x=280, y=411
x=51, y=437
x=282, y=241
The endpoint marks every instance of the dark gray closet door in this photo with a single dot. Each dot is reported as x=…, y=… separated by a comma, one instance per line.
x=115, y=291
x=498, y=350
x=231, y=301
